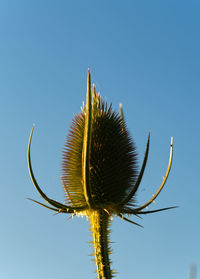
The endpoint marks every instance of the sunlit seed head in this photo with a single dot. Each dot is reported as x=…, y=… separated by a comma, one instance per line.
x=113, y=158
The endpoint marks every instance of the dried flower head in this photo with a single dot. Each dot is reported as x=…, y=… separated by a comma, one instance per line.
x=100, y=172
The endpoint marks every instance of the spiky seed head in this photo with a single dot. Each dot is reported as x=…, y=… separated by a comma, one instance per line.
x=112, y=159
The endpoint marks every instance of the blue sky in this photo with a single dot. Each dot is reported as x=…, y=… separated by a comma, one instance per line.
x=144, y=54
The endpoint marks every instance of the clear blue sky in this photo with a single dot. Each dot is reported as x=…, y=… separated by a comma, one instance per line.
x=145, y=54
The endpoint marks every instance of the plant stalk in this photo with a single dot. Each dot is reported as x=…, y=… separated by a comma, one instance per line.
x=99, y=222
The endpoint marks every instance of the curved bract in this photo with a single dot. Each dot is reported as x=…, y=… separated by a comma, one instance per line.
x=100, y=173
x=57, y=206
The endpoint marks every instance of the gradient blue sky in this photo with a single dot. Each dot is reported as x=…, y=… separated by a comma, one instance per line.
x=145, y=54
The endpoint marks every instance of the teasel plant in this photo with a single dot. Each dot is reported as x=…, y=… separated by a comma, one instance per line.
x=100, y=174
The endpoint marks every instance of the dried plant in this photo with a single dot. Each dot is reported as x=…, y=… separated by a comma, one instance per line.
x=100, y=174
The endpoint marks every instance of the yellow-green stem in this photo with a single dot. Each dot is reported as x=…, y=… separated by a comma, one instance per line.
x=99, y=222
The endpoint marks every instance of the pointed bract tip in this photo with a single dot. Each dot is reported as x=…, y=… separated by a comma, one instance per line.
x=88, y=77
x=32, y=129
x=120, y=105
x=171, y=140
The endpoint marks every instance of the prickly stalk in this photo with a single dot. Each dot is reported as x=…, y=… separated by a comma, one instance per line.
x=99, y=225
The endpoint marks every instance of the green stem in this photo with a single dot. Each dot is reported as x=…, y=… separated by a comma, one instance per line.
x=99, y=222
